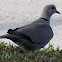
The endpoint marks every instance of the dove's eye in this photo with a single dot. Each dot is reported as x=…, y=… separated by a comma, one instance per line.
x=52, y=7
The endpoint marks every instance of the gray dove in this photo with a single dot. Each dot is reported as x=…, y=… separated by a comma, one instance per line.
x=35, y=35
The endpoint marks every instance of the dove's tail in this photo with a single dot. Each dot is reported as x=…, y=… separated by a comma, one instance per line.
x=12, y=37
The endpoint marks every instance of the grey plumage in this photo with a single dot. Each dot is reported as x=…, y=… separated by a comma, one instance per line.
x=35, y=35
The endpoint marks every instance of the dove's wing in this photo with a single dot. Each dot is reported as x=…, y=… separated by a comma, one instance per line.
x=38, y=33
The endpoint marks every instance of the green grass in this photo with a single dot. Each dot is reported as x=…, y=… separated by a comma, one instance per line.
x=19, y=54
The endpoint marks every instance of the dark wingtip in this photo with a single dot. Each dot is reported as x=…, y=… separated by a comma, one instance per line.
x=9, y=31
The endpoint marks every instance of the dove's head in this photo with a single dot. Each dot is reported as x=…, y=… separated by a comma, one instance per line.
x=48, y=11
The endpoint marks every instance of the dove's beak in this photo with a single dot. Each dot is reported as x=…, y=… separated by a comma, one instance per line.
x=57, y=12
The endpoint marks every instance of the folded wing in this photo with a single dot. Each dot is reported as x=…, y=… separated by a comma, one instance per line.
x=38, y=33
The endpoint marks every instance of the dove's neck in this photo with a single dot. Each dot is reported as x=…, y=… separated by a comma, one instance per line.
x=46, y=16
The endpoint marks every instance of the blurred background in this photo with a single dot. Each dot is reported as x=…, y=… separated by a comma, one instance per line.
x=17, y=13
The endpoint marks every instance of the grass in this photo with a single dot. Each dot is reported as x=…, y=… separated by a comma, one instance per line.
x=19, y=54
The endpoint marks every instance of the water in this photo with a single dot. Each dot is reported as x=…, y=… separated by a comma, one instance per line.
x=16, y=13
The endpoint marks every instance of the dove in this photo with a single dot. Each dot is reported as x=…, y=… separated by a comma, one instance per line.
x=36, y=35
